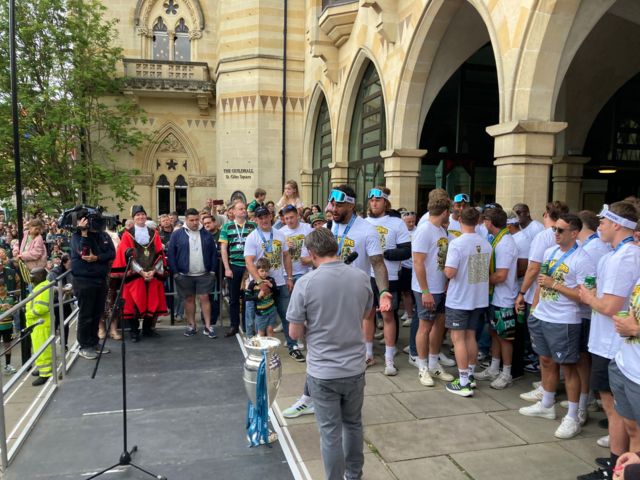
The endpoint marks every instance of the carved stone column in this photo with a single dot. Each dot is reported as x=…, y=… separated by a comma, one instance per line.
x=567, y=180
x=524, y=151
x=401, y=172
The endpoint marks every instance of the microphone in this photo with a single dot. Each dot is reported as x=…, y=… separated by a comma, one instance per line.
x=129, y=253
x=351, y=258
x=27, y=331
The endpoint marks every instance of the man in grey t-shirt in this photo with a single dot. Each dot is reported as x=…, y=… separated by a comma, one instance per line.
x=327, y=307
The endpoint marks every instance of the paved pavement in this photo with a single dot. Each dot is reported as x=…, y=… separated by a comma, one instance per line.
x=413, y=432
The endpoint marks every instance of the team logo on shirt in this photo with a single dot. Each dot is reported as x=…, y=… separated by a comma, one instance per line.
x=382, y=232
x=443, y=246
x=275, y=257
x=549, y=294
x=455, y=233
x=347, y=247
x=634, y=311
x=295, y=249
x=478, y=267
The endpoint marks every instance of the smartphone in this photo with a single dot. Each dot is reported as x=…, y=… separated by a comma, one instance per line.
x=86, y=251
x=218, y=202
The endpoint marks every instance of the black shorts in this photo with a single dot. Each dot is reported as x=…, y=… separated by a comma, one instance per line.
x=404, y=279
x=599, y=380
x=394, y=285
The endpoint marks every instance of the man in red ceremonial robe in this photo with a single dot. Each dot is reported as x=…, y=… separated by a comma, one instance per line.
x=143, y=291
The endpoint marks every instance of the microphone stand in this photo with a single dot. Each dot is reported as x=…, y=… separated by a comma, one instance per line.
x=118, y=308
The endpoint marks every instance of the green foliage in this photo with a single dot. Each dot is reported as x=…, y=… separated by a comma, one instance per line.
x=71, y=101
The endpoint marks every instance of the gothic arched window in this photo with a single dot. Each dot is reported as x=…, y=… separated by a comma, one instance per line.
x=160, y=37
x=181, y=43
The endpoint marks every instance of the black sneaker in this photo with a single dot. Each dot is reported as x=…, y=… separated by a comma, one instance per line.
x=39, y=381
x=296, y=355
x=600, y=474
x=604, y=462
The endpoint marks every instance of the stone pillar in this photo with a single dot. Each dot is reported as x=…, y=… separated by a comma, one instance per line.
x=339, y=174
x=524, y=151
x=306, y=186
x=401, y=172
x=567, y=180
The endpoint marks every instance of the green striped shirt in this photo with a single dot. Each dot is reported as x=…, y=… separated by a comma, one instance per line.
x=234, y=235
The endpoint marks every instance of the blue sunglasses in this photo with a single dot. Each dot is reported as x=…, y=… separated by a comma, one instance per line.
x=461, y=197
x=377, y=193
x=339, y=196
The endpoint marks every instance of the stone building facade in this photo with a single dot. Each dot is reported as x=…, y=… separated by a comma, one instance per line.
x=508, y=100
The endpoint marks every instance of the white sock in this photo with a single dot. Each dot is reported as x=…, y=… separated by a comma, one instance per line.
x=495, y=365
x=433, y=361
x=506, y=369
x=305, y=399
x=573, y=411
x=464, y=377
x=389, y=352
x=369, y=347
x=422, y=363
x=472, y=369
x=584, y=400
x=548, y=398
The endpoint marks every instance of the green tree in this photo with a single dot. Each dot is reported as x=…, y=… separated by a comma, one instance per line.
x=74, y=120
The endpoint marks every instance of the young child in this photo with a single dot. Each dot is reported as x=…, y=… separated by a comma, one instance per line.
x=6, y=325
x=258, y=201
x=263, y=292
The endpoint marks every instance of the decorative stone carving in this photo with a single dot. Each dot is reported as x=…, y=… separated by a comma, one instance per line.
x=387, y=17
x=203, y=100
x=203, y=181
x=337, y=22
x=322, y=47
x=171, y=144
x=193, y=7
x=144, y=179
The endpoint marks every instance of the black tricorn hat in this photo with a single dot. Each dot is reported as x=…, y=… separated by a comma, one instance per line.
x=137, y=209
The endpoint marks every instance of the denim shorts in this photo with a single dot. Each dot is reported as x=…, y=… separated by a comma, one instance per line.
x=429, y=315
x=264, y=321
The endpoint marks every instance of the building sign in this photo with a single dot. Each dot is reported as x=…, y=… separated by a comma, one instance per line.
x=238, y=173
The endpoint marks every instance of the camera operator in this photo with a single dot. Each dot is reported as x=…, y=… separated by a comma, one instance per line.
x=91, y=253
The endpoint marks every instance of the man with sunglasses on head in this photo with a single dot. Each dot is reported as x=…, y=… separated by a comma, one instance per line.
x=357, y=236
x=396, y=246
x=555, y=324
x=617, y=272
x=460, y=202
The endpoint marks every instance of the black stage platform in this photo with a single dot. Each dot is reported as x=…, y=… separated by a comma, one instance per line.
x=187, y=408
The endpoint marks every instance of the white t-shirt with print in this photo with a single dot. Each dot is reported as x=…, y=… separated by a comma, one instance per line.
x=433, y=242
x=542, y=241
x=616, y=275
x=392, y=232
x=297, y=236
x=504, y=294
x=469, y=289
x=408, y=263
x=553, y=306
x=628, y=358
x=362, y=238
x=256, y=247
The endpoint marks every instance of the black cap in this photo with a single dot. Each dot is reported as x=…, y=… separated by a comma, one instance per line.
x=260, y=211
x=137, y=209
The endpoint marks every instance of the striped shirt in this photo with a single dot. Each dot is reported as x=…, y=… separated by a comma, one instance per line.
x=235, y=235
x=5, y=304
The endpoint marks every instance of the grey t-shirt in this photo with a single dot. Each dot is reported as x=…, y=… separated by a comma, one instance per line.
x=332, y=300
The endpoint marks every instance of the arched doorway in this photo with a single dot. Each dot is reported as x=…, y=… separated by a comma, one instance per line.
x=460, y=152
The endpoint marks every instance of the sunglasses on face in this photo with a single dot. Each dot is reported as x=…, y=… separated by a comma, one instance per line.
x=560, y=230
x=408, y=214
x=339, y=196
x=377, y=193
x=461, y=197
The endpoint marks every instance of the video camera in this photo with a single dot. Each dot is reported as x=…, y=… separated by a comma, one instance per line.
x=97, y=220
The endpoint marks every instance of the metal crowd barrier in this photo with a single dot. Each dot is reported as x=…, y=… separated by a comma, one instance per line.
x=59, y=371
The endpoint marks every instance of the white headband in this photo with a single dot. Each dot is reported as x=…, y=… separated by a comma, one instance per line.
x=608, y=214
x=512, y=221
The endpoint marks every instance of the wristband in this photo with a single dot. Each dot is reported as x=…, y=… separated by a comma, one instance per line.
x=425, y=291
x=382, y=292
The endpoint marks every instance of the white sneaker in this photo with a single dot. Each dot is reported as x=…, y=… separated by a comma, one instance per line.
x=298, y=408
x=389, y=368
x=537, y=410
x=413, y=361
x=603, y=441
x=404, y=317
x=407, y=350
x=300, y=345
x=446, y=361
x=503, y=381
x=425, y=378
x=9, y=369
x=583, y=416
x=537, y=384
x=406, y=323
x=379, y=334
x=381, y=341
x=440, y=374
x=534, y=395
x=569, y=428
x=487, y=374
x=278, y=329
